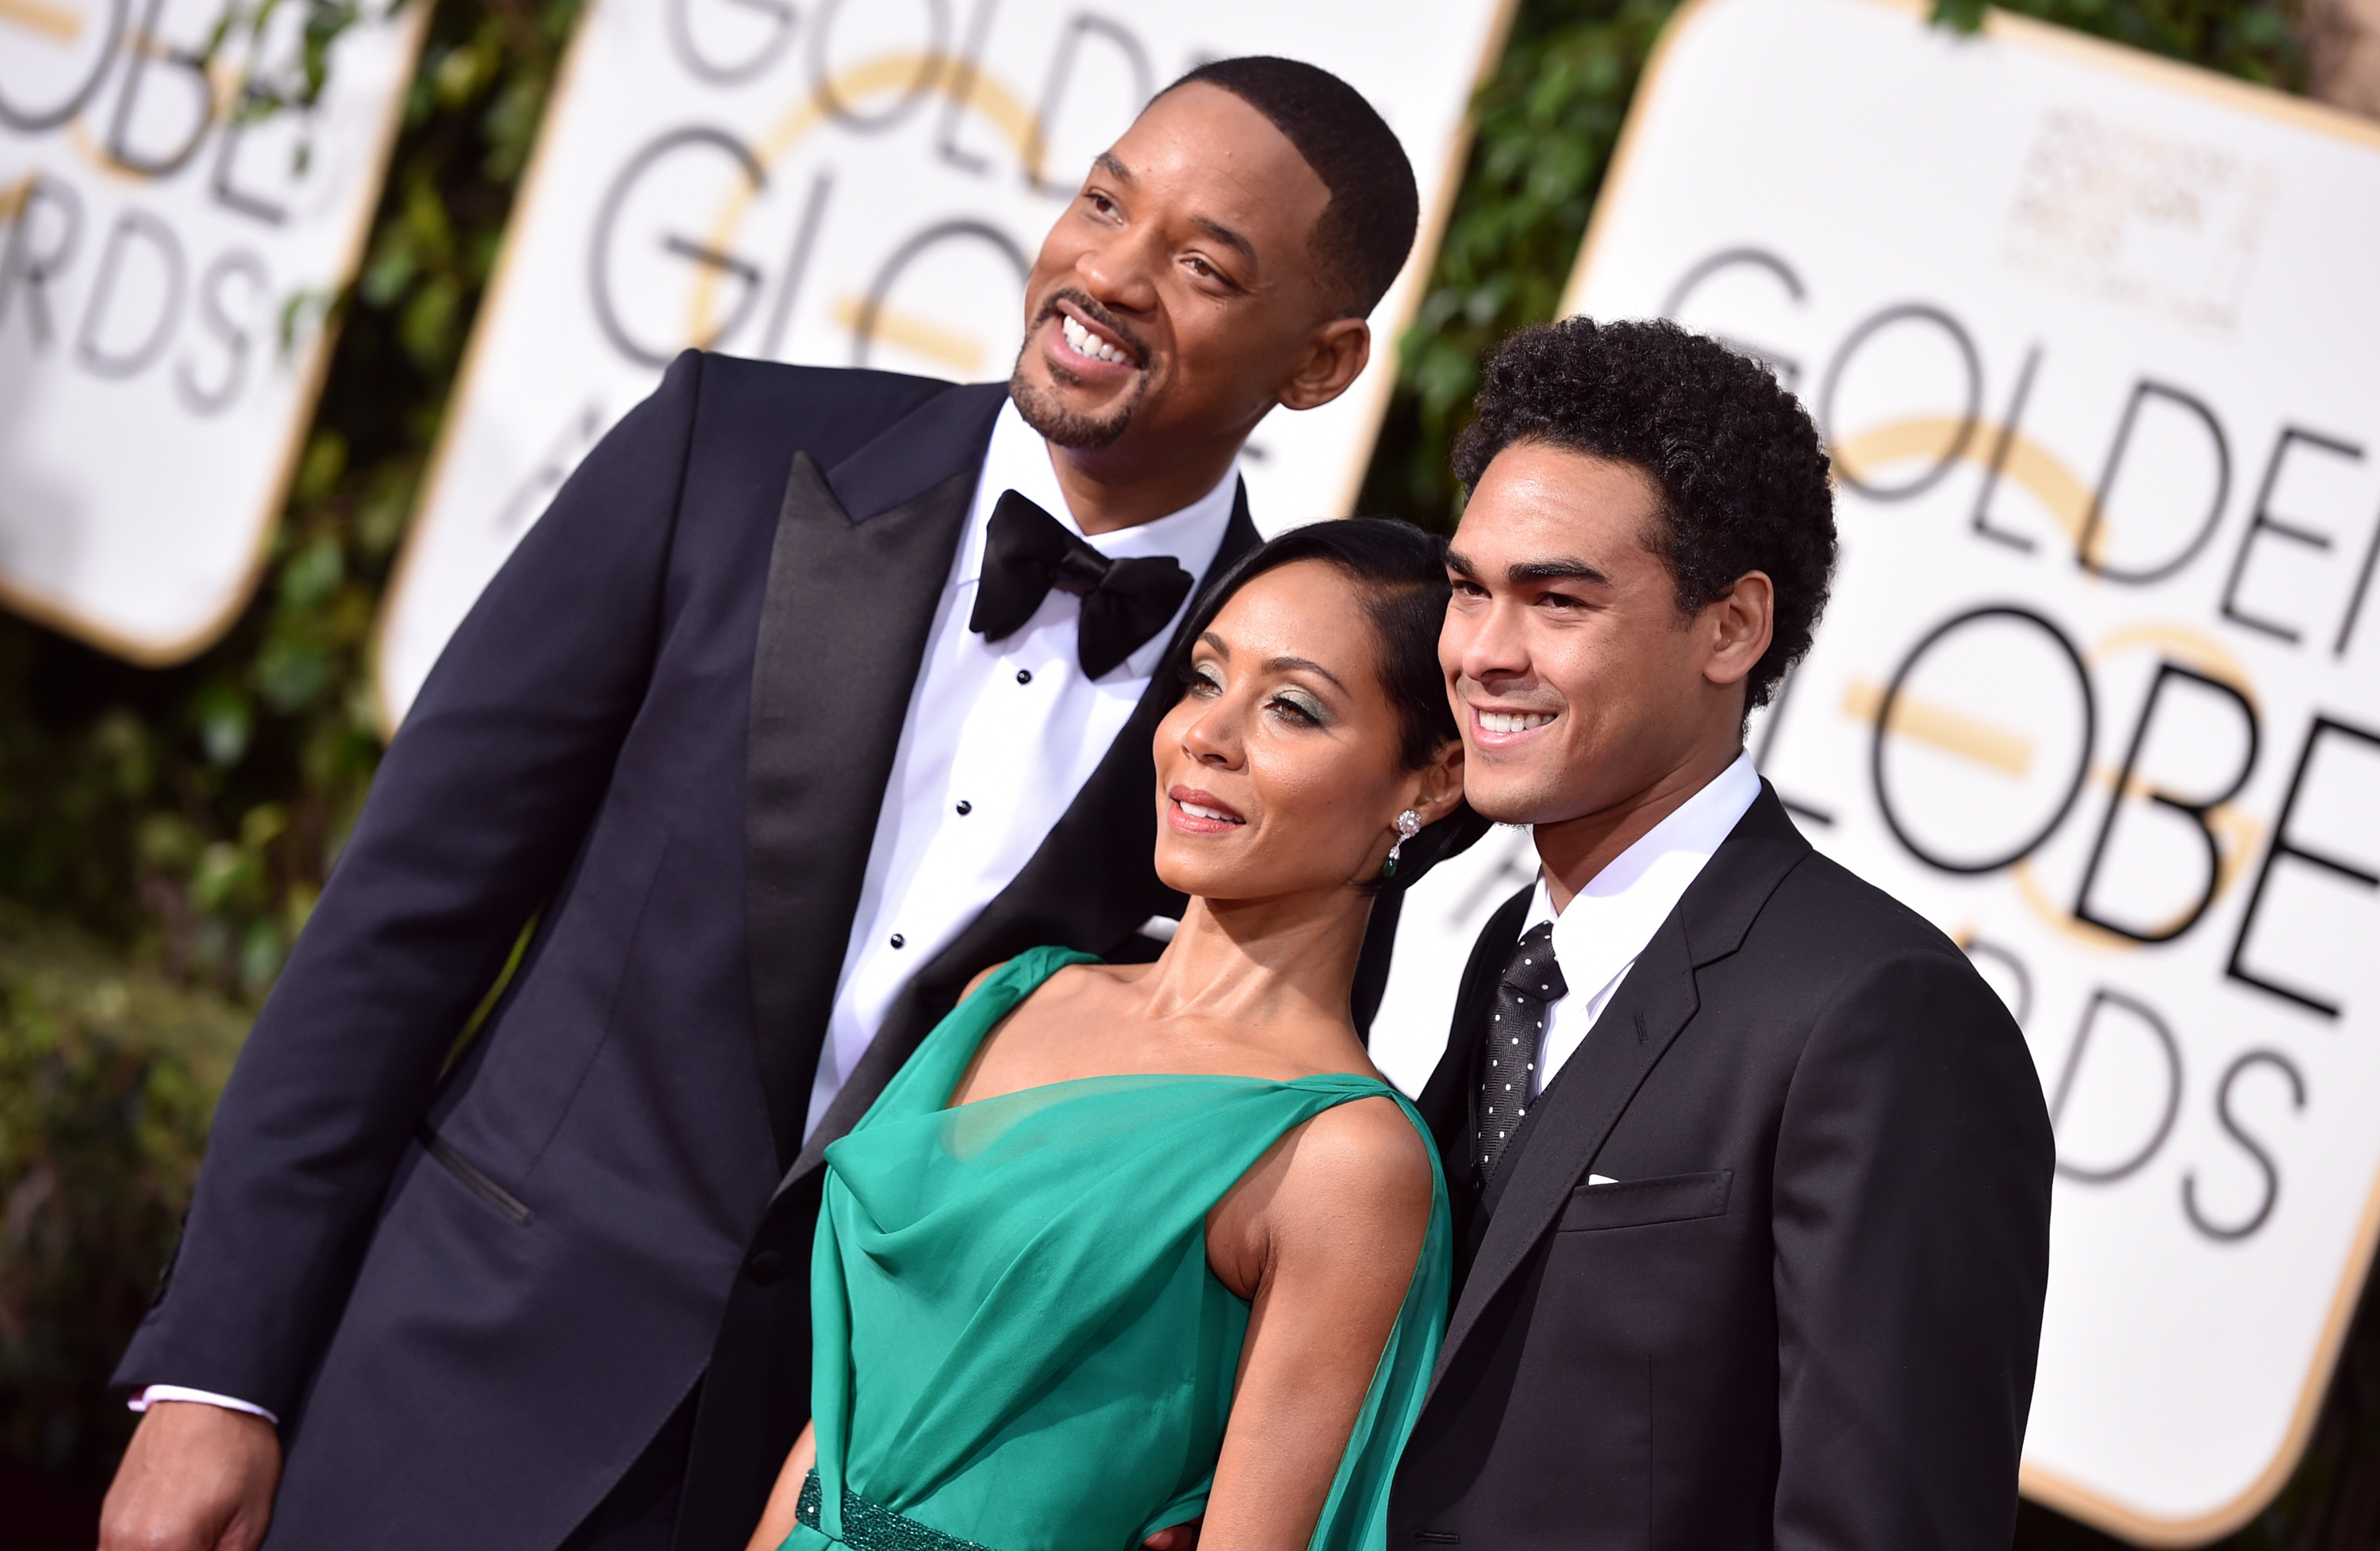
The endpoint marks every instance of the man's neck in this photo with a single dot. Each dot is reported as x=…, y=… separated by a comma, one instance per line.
x=1106, y=494
x=1575, y=851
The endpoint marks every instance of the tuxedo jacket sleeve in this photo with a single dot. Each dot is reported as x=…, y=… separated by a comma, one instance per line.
x=478, y=809
x=1908, y=1213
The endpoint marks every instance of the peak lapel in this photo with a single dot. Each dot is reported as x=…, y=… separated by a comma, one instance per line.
x=1574, y=1117
x=853, y=581
x=1571, y=1120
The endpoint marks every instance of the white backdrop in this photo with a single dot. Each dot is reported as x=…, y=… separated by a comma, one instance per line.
x=151, y=248
x=862, y=185
x=2092, y=337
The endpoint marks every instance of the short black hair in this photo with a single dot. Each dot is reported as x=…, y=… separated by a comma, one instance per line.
x=1742, y=469
x=1401, y=571
x=1368, y=228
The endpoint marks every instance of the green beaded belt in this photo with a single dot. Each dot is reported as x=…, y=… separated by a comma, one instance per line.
x=869, y=1526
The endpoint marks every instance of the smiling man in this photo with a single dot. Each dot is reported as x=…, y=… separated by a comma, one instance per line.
x=813, y=693
x=1751, y=1170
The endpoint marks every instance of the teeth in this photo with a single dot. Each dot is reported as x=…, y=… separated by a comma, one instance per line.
x=1086, y=343
x=1512, y=721
x=1195, y=811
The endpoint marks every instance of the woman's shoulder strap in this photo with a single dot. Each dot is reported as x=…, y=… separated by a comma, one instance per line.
x=1019, y=977
x=998, y=993
x=925, y=1081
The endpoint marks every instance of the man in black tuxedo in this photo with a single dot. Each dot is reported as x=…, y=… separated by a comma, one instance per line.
x=813, y=693
x=1752, y=1169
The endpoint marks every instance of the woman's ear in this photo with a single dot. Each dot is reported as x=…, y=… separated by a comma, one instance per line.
x=1438, y=786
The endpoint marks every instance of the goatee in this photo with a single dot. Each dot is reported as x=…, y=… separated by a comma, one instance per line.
x=1061, y=427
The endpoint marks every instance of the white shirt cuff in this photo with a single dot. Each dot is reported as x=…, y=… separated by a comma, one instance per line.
x=156, y=1392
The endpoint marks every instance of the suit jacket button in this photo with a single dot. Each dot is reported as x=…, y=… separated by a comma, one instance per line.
x=767, y=1267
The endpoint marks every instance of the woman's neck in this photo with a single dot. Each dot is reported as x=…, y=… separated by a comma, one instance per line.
x=1256, y=962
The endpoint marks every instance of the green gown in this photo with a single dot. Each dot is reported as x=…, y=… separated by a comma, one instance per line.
x=1019, y=1344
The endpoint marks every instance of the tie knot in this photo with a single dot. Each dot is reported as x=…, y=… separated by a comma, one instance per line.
x=1081, y=569
x=1532, y=971
x=1027, y=553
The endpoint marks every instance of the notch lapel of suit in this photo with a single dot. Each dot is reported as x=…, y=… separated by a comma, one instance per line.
x=1574, y=1117
x=856, y=572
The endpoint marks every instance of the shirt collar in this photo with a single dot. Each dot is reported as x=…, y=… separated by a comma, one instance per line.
x=1018, y=459
x=1610, y=920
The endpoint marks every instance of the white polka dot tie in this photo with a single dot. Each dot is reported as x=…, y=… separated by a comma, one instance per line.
x=1516, y=1028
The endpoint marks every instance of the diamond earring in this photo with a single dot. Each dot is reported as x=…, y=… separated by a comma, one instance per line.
x=1408, y=825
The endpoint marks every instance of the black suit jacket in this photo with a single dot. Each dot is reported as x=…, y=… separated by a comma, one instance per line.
x=1807, y=1315
x=475, y=1289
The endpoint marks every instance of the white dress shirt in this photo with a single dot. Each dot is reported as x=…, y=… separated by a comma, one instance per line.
x=1607, y=925
x=999, y=737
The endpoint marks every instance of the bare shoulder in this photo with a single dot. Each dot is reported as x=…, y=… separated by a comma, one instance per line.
x=1358, y=1167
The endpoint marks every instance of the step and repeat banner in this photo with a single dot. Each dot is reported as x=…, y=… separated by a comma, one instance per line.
x=168, y=241
x=2092, y=338
x=859, y=185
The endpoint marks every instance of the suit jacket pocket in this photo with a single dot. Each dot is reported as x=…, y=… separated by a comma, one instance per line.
x=1639, y=1203
x=472, y=1177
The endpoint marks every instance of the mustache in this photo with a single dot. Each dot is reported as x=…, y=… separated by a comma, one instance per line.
x=1108, y=321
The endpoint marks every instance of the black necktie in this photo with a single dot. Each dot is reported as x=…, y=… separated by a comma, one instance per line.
x=1124, y=601
x=1532, y=979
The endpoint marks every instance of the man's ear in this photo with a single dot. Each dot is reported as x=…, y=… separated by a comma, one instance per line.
x=1335, y=356
x=1741, y=625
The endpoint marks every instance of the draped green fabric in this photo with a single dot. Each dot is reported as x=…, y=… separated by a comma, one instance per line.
x=1019, y=1342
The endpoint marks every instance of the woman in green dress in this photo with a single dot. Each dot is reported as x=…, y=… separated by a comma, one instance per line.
x=1127, y=1247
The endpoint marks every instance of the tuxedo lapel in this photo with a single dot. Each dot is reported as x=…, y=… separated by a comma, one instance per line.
x=1089, y=885
x=1653, y=1006
x=854, y=573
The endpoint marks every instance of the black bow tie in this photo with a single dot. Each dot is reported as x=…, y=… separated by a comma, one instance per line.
x=1124, y=601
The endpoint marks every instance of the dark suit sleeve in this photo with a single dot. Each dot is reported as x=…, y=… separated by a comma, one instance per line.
x=473, y=819
x=1912, y=1230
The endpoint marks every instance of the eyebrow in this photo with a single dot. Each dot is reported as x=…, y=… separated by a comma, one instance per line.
x=1274, y=664
x=1553, y=571
x=1106, y=162
x=1225, y=235
x=1295, y=664
x=1561, y=570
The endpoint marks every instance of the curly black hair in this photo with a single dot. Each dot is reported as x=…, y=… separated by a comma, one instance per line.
x=1742, y=469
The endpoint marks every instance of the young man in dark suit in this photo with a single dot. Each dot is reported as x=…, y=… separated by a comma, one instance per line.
x=1751, y=1167
x=813, y=693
